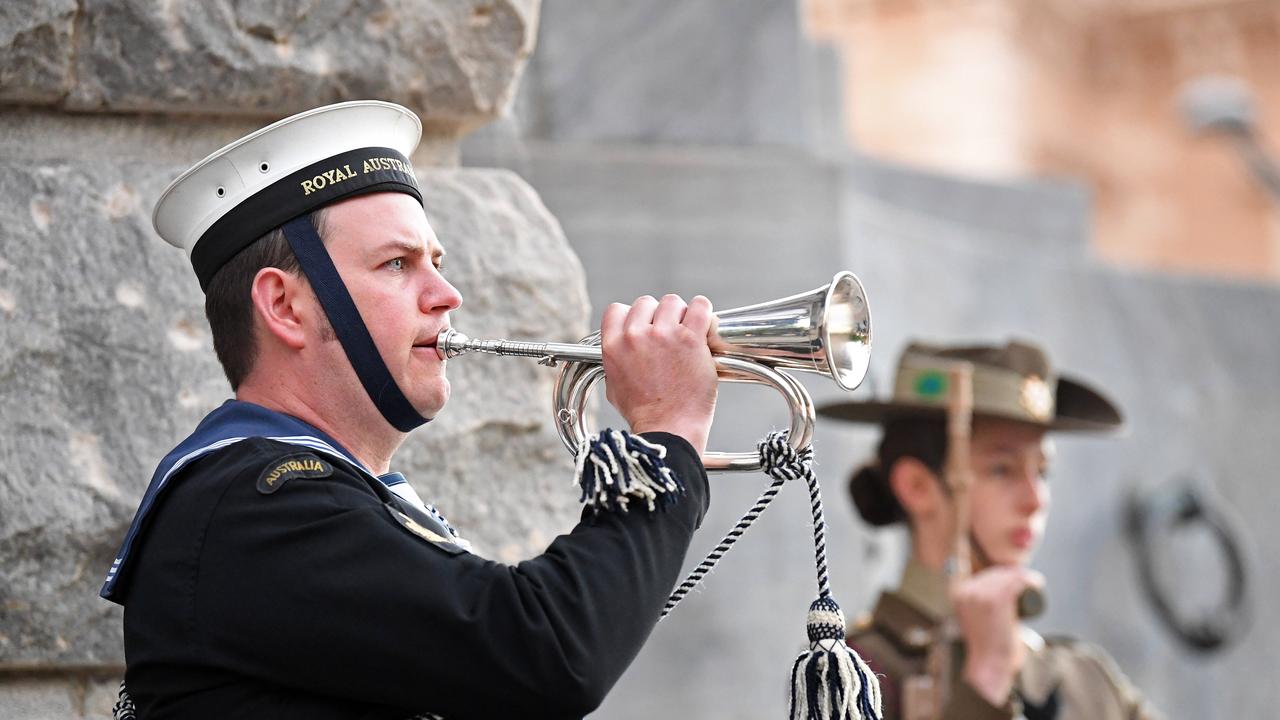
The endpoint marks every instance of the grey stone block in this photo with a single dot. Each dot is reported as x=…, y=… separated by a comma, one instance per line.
x=737, y=225
x=36, y=40
x=455, y=63
x=37, y=134
x=37, y=699
x=106, y=363
x=57, y=697
x=698, y=71
x=1047, y=217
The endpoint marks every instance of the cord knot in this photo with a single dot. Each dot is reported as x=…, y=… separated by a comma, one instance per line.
x=781, y=461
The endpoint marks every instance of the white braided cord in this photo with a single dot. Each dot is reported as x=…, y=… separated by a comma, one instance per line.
x=781, y=462
x=709, y=562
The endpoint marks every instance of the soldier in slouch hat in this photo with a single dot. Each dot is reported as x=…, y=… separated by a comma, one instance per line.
x=1006, y=670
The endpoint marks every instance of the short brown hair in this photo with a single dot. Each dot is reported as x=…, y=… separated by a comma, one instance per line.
x=228, y=303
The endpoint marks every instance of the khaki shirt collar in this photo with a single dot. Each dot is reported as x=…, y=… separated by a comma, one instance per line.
x=926, y=589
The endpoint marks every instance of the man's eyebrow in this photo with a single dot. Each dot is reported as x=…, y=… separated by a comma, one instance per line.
x=404, y=246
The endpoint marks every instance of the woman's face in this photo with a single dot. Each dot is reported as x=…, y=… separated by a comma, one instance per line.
x=1009, y=497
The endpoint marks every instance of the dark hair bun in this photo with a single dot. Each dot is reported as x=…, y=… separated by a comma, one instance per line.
x=871, y=495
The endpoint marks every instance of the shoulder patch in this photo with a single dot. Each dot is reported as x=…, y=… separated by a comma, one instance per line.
x=297, y=465
x=417, y=528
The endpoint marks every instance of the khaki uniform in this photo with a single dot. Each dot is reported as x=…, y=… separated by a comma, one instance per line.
x=1062, y=679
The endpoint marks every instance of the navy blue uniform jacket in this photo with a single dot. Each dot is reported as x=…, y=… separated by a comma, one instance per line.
x=317, y=601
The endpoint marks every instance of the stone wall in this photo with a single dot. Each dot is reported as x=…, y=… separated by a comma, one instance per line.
x=105, y=357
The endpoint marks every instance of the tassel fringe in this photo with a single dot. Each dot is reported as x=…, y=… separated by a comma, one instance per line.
x=616, y=468
x=830, y=681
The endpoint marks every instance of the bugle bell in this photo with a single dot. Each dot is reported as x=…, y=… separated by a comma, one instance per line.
x=826, y=331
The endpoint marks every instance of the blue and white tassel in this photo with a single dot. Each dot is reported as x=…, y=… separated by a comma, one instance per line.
x=616, y=468
x=830, y=680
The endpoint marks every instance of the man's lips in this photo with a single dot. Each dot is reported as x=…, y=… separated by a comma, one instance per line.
x=428, y=341
x=428, y=345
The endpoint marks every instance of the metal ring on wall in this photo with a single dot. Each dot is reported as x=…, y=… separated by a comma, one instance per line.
x=1151, y=517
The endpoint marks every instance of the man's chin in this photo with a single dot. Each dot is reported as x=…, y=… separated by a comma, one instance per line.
x=430, y=404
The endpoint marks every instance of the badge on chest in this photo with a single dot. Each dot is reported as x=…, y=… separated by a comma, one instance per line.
x=424, y=529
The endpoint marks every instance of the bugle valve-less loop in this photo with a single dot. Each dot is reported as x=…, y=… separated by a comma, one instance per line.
x=826, y=330
x=574, y=386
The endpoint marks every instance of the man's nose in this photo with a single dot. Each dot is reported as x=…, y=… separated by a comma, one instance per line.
x=439, y=295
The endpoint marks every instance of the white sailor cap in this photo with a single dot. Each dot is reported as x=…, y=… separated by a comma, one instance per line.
x=283, y=171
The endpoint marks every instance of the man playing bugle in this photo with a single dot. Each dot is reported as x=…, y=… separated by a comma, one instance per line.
x=276, y=567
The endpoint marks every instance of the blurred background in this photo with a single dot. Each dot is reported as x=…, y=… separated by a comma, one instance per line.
x=1091, y=174
x=1094, y=175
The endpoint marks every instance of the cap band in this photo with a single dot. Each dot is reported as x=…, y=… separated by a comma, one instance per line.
x=355, y=172
x=349, y=326
x=995, y=390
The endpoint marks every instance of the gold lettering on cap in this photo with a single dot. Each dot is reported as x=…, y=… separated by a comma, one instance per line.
x=383, y=163
x=332, y=176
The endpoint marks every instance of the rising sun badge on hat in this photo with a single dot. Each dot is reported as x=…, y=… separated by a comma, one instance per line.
x=1012, y=382
x=274, y=178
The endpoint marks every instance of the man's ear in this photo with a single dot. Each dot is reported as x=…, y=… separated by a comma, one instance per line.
x=916, y=487
x=278, y=306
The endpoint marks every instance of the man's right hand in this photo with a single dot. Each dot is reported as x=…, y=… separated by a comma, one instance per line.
x=658, y=367
x=986, y=609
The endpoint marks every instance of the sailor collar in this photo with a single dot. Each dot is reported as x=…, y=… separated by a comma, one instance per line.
x=232, y=422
